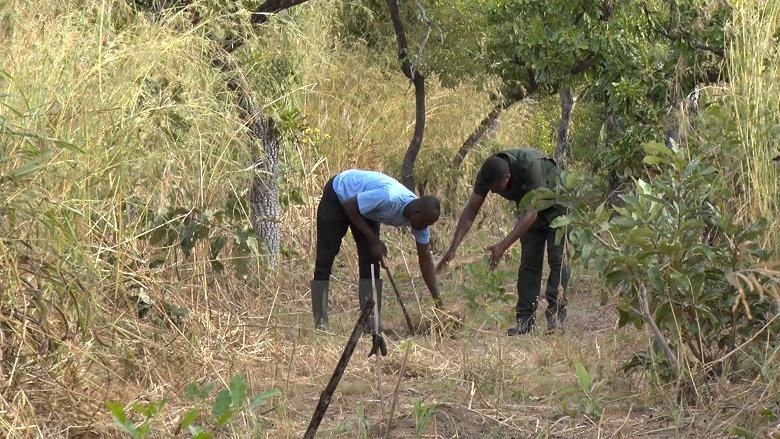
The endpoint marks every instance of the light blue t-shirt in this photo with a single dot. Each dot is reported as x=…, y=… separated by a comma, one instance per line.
x=379, y=197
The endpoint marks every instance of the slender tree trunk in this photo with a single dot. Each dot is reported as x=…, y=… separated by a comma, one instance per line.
x=264, y=147
x=407, y=168
x=418, y=80
x=488, y=123
x=562, y=146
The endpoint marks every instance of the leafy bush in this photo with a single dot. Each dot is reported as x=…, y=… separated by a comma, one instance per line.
x=585, y=397
x=675, y=256
x=227, y=403
x=486, y=291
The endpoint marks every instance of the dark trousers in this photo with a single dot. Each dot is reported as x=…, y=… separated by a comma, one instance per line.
x=529, y=276
x=332, y=224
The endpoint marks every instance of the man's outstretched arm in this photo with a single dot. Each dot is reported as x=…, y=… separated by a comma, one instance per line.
x=428, y=272
x=464, y=224
x=523, y=224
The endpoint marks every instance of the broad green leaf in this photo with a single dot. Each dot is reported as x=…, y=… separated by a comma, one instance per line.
x=586, y=250
x=192, y=390
x=658, y=147
x=117, y=410
x=644, y=187
x=654, y=160
x=599, y=210
x=561, y=221
x=624, y=317
x=222, y=420
x=583, y=376
x=128, y=428
x=222, y=403
x=238, y=391
x=261, y=397
x=198, y=433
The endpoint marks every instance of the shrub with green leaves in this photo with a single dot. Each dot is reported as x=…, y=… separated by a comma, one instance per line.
x=674, y=254
x=486, y=291
x=226, y=404
x=586, y=397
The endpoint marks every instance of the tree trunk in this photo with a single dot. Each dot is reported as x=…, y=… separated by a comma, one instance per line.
x=488, y=123
x=407, y=168
x=264, y=148
x=562, y=147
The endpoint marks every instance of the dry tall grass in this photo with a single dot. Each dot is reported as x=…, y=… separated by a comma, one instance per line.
x=755, y=80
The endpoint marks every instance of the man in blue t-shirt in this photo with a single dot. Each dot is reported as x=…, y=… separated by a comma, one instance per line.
x=361, y=200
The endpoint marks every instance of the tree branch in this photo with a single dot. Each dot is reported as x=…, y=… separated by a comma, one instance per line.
x=648, y=318
x=427, y=34
x=407, y=168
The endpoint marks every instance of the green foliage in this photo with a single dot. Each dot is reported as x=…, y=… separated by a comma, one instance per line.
x=485, y=292
x=227, y=403
x=184, y=227
x=364, y=425
x=422, y=414
x=674, y=240
x=586, y=397
x=149, y=411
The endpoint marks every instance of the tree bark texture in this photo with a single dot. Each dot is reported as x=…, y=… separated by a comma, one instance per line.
x=264, y=147
x=562, y=146
x=418, y=80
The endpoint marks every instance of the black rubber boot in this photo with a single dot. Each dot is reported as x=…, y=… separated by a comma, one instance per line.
x=319, y=304
x=555, y=319
x=365, y=290
x=524, y=326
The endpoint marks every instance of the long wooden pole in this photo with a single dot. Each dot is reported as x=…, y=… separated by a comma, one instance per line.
x=327, y=394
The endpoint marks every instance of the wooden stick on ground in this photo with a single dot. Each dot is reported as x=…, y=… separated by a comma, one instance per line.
x=327, y=394
x=398, y=296
x=397, y=387
x=378, y=354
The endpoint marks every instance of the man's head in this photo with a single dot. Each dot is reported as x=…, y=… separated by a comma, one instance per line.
x=424, y=211
x=495, y=174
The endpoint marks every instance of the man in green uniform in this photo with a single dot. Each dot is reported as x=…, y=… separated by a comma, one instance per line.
x=512, y=174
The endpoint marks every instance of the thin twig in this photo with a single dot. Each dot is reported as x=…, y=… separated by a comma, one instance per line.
x=430, y=23
x=395, y=392
x=378, y=354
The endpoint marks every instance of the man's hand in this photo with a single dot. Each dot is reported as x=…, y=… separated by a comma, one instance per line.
x=445, y=261
x=495, y=251
x=379, y=250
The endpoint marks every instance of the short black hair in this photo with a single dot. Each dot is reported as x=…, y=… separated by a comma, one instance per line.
x=429, y=205
x=493, y=170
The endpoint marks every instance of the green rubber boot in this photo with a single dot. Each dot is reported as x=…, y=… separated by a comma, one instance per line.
x=319, y=304
x=364, y=292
